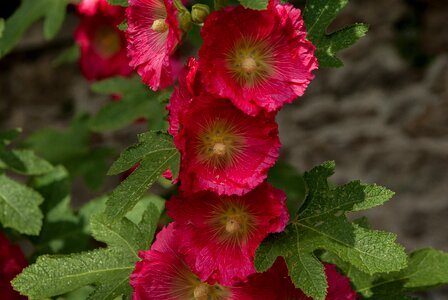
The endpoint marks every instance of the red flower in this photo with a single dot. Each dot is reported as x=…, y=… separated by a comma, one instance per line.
x=102, y=44
x=275, y=284
x=264, y=60
x=90, y=7
x=153, y=34
x=220, y=234
x=223, y=149
x=12, y=261
x=163, y=274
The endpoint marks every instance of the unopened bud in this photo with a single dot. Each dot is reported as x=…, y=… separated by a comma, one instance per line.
x=199, y=13
x=185, y=21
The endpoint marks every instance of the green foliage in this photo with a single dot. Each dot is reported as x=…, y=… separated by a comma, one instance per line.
x=24, y=162
x=321, y=224
x=72, y=148
x=137, y=101
x=30, y=11
x=8, y=135
x=254, y=4
x=285, y=177
x=155, y=153
x=19, y=207
x=118, y=2
x=62, y=230
x=318, y=15
x=2, y=27
x=427, y=268
x=107, y=269
x=70, y=55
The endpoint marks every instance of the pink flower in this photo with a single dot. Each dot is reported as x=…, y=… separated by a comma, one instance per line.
x=220, y=234
x=153, y=34
x=264, y=60
x=90, y=7
x=275, y=284
x=339, y=287
x=102, y=44
x=223, y=149
x=163, y=274
x=12, y=261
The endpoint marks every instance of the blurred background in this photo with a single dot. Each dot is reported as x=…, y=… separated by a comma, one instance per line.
x=383, y=117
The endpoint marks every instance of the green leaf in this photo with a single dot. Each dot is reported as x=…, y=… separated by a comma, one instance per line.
x=156, y=153
x=2, y=27
x=30, y=11
x=62, y=230
x=118, y=2
x=321, y=224
x=286, y=178
x=24, y=162
x=71, y=54
x=108, y=270
x=71, y=148
x=8, y=135
x=137, y=101
x=318, y=15
x=254, y=4
x=19, y=207
x=427, y=268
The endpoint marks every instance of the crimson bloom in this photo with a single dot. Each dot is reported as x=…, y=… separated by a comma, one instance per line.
x=264, y=60
x=275, y=284
x=220, y=233
x=163, y=274
x=102, y=44
x=223, y=149
x=153, y=34
x=12, y=261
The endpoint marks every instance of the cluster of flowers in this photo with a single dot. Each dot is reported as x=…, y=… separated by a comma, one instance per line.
x=222, y=118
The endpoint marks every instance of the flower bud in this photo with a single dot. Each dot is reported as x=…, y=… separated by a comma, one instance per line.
x=185, y=20
x=199, y=12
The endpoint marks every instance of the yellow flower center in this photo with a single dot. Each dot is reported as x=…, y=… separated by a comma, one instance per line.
x=107, y=41
x=187, y=286
x=250, y=62
x=219, y=144
x=159, y=25
x=232, y=221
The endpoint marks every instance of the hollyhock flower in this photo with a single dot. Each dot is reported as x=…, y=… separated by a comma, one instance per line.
x=163, y=274
x=90, y=7
x=264, y=60
x=275, y=284
x=153, y=34
x=12, y=261
x=222, y=148
x=220, y=234
x=102, y=44
x=189, y=86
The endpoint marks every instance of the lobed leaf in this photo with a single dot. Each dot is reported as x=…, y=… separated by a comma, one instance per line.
x=321, y=224
x=155, y=153
x=19, y=207
x=318, y=15
x=108, y=270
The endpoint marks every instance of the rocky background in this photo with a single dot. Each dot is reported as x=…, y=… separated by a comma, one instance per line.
x=383, y=117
